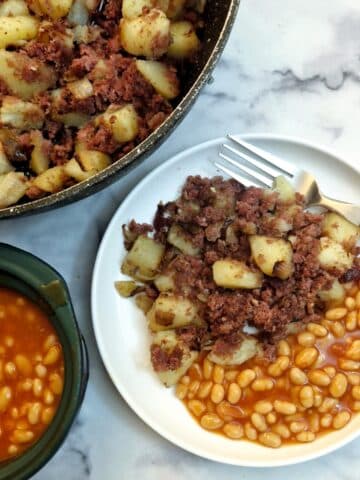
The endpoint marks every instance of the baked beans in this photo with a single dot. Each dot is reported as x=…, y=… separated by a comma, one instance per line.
x=31, y=373
x=311, y=387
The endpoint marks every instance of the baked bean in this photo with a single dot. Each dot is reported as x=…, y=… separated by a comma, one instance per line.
x=194, y=371
x=306, y=396
x=355, y=392
x=22, y=436
x=10, y=370
x=259, y=422
x=49, y=342
x=218, y=374
x=196, y=407
x=338, y=385
x=185, y=380
x=9, y=341
x=250, y=431
x=326, y=420
x=350, y=303
x=306, y=357
x=283, y=348
x=217, y=393
x=336, y=313
x=297, y=376
x=204, y=389
x=38, y=387
x=23, y=364
x=327, y=405
x=305, y=437
x=229, y=412
x=181, y=391
x=346, y=364
x=13, y=450
x=47, y=415
x=351, y=321
x=27, y=384
x=263, y=407
x=353, y=378
x=233, y=393
x=306, y=339
x=270, y=439
x=231, y=375
x=233, y=430
x=271, y=418
x=49, y=397
x=357, y=299
x=211, y=421
x=318, y=398
x=329, y=370
x=296, y=427
x=262, y=384
x=40, y=370
x=319, y=378
x=356, y=406
x=286, y=408
x=5, y=398
x=314, y=422
x=317, y=329
x=277, y=368
x=282, y=430
x=246, y=377
x=353, y=352
x=341, y=419
x=338, y=329
x=34, y=413
x=207, y=369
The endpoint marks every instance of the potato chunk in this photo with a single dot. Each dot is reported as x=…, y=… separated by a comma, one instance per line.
x=125, y=288
x=334, y=294
x=13, y=186
x=22, y=115
x=161, y=77
x=91, y=160
x=73, y=169
x=52, y=180
x=340, y=230
x=272, y=255
x=16, y=31
x=135, y=8
x=172, y=311
x=176, y=8
x=54, y=9
x=5, y=165
x=246, y=349
x=123, y=122
x=180, y=239
x=184, y=41
x=13, y=8
x=11, y=67
x=229, y=273
x=143, y=260
x=285, y=190
x=168, y=341
x=333, y=255
x=164, y=282
x=147, y=35
x=81, y=89
x=39, y=161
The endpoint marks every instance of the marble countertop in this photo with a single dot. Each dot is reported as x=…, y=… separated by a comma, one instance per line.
x=289, y=68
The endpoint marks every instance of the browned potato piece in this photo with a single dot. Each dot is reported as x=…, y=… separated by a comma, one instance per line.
x=285, y=190
x=123, y=122
x=230, y=273
x=164, y=282
x=184, y=41
x=340, y=230
x=52, y=180
x=172, y=311
x=39, y=161
x=272, y=255
x=15, y=31
x=333, y=255
x=91, y=160
x=247, y=349
x=5, y=165
x=160, y=76
x=54, y=9
x=135, y=8
x=168, y=341
x=147, y=35
x=11, y=67
x=334, y=294
x=143, y=260
x=73, y=169
x=22, y=115
x=143, y=302
x=176, y=8
x=13, y=186
x=180, y=239
x=125, y=288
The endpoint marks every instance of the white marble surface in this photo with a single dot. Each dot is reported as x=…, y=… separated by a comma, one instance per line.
x=290, y=67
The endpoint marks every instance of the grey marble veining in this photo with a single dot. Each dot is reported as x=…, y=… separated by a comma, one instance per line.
x=290, y=68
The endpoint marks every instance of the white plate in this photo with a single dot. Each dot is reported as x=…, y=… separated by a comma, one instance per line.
x=120, y=327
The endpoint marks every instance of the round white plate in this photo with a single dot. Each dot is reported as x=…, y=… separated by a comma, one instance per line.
x=121, y=331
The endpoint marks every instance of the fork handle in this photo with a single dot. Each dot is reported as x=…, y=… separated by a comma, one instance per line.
x=348, y=210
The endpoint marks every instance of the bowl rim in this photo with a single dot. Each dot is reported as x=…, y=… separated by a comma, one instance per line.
x=138, y=154
x=37, y=455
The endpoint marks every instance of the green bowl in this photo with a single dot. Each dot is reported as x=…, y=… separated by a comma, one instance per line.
x=30, y=276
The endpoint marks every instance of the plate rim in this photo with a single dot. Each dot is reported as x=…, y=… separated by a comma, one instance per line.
x=135, y=407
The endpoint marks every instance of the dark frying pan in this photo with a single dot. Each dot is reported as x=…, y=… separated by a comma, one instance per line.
x=219, y=18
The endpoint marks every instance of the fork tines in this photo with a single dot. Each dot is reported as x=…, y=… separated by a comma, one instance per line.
x=261, y=170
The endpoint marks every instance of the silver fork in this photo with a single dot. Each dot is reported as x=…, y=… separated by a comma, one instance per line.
x=262, y=167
